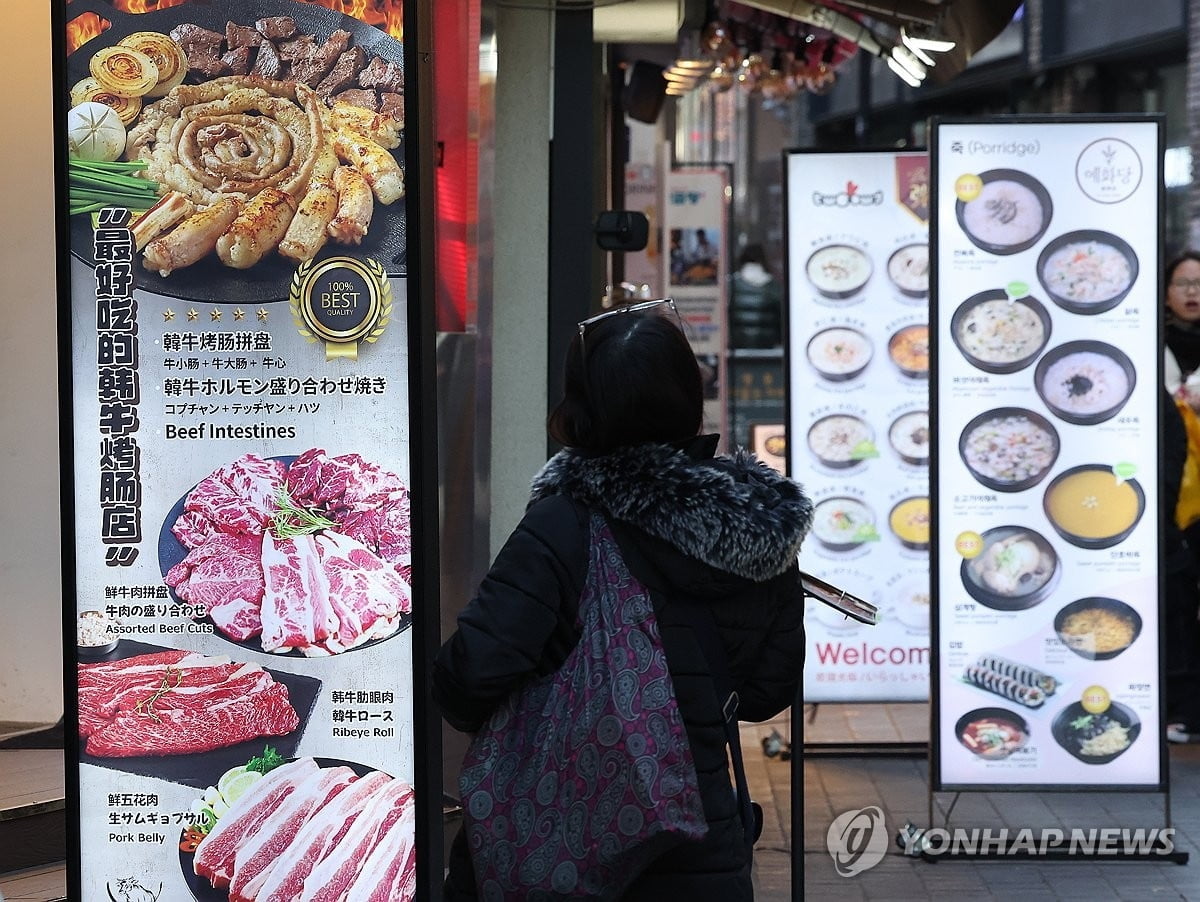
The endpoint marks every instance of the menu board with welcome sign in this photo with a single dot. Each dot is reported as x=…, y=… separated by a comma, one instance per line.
x=1048, y=389
x=244, y=453
x=858, y=413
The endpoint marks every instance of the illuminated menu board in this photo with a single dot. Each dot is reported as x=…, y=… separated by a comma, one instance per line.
x=1047, y=380
x=858, y=413
x=241, y=553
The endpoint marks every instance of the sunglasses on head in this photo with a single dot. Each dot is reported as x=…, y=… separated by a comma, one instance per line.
x=640, y=307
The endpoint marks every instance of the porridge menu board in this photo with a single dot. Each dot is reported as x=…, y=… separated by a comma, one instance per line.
x=858, y=413
x=1048, y=388
x=235, y=316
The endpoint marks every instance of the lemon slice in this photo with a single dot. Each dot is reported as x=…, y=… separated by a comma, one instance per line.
x=234, y=786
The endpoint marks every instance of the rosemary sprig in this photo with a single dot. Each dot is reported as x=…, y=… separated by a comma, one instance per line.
x=292, y=520
x=145, y=707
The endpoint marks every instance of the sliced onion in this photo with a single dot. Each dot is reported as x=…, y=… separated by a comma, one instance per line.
x=90, y=89
x=84, y=90
x=167, y=55
x=124, y=71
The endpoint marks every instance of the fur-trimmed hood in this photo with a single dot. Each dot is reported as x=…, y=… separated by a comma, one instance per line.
x=733, y=513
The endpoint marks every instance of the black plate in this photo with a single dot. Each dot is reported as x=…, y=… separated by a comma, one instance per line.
x=171, y=551
x=1024, y=178
x=848, y=292
x=1120, y=244
x=999, y=294
x=998, y=484
x=841, y=546
x=910, y=372
x=1119, y=608
x=1071, y=347
x=840, y=377
x=201, y=889
x=999, y=602
x=908, y=458
x=209, y=280
x=979, y=714
x=915, y=546
x=840, y=464
x=908, y=292
x=1066, y=737
x=195, y=770
x=1104, y=541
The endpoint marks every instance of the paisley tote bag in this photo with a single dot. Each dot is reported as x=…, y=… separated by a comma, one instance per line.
x=582, y=778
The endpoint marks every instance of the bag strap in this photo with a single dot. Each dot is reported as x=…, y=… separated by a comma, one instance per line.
x=705, y=627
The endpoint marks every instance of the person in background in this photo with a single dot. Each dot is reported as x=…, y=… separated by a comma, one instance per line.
x=722, y=532
x=756, y=307
x=1182, y=374
x=1182, y=332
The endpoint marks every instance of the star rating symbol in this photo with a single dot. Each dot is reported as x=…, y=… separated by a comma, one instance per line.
x=239, y=314
x=168, y=315
x=262, y=315
x=192, y=314
x=215, y=315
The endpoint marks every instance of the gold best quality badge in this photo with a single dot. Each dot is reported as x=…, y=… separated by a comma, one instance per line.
x=341, y=301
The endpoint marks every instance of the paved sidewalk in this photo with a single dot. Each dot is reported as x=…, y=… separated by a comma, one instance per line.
x=898, y=786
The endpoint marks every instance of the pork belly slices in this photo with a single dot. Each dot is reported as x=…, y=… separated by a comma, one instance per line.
x=338, y=870
x=284, y=882
x=216, y=855
x=261, y=851
x=296, y=610
x=389, y=872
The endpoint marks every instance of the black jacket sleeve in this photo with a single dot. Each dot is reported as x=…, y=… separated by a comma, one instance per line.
x=521, y=622
x=779, y=664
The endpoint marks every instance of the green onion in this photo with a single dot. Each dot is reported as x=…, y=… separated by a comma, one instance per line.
x=94, y=185
x=98, y=166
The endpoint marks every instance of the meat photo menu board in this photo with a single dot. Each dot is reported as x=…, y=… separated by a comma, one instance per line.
x=1048, y=386
x=240, y=478
x=858, y=413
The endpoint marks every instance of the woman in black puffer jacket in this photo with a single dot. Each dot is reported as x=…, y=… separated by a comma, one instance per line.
x=694, y=529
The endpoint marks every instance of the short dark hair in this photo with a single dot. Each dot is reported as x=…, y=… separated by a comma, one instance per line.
x=632, y=380
x=1173, y=265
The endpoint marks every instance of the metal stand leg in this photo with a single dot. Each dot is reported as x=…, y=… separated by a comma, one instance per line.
x=797, y=766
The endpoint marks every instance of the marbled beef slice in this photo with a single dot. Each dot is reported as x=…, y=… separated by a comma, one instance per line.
x=193, y=36
x=345, y=71
x=383, y=75
x=276, y=28
x=296, y=48
x=238, y=60
x=391, y=104
x=238, y=36
x=317, y=62
x=360, y=97
x=268, y=64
